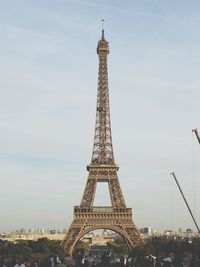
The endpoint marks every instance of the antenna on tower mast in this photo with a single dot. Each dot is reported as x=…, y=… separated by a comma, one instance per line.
x=102, y=25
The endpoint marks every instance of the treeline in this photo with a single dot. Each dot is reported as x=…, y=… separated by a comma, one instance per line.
x=160, y=245
x=163, y=246
x=43, y=249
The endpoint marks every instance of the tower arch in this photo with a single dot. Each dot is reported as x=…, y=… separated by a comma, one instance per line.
x=88, y=229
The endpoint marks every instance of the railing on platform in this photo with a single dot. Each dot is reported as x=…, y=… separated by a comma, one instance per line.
x=101, y=209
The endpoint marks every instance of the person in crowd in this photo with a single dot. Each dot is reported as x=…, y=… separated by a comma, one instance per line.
x=19, y=263
x=68, y=261
x=167, y=262
x=85, y=262
x=73, y=262
x=51, y=259
x=62, y=263
x=128, y=261
x=35, y=263
x=56, y=260
x=4, y=263
x=93, y=264
x=79, y=257
x=27, y=262
x=121, y=261
x=105, y=258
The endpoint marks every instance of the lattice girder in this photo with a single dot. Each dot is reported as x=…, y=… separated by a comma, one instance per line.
x=103, y=174
x=103, y=148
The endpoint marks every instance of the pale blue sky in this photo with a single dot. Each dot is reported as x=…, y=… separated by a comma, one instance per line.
x=48, y=84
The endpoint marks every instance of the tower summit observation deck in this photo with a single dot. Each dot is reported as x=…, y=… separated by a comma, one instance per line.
x=102, y=168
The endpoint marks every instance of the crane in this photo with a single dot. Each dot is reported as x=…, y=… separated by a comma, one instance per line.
x=173, y=174
x=197, y=134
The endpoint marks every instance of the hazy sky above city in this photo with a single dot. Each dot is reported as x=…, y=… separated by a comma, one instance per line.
x=48, y=84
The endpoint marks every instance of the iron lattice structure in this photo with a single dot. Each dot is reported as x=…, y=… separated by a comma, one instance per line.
x=103, y=149
x=88, y=217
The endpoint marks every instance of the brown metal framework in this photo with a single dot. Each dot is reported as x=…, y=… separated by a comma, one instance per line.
x=88, y=217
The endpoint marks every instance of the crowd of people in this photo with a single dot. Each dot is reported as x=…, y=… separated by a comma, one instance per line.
x=20, y=262
x=105, y=261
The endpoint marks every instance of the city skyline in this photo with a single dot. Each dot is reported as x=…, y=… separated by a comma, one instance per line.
x=64, y=230
x=48, y=101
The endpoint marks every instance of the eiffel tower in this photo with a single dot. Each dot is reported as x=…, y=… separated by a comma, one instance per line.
x=102, y=168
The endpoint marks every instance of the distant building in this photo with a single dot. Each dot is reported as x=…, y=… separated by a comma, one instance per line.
x=189, y=231
x=52, y=232
x=147, y=231
x=180, y=232
x=169, y=233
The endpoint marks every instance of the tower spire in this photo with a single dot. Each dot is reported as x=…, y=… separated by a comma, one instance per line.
x=103, y=148
x=102, y=24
